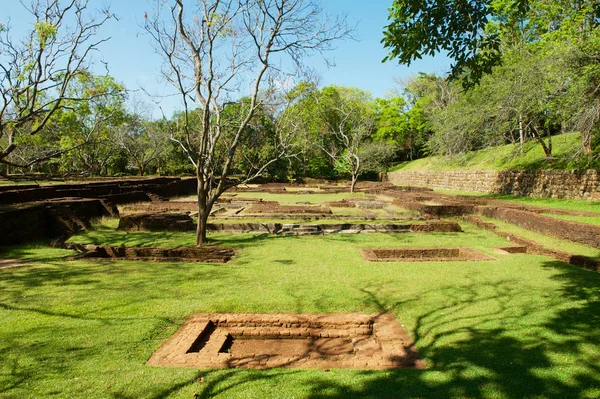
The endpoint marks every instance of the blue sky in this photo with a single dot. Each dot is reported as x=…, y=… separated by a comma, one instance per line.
x=132, y=60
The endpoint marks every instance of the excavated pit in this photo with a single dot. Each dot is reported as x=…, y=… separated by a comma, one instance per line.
x=181, y=254
x=423, y=254
x=262, y=341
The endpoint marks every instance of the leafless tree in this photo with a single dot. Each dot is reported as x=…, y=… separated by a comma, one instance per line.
x=35, y=74
x=217, y=51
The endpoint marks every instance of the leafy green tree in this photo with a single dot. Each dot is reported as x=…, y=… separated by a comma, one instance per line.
x=460, y=28
x=402, y=126
x=37, y=73
x=143, y=142
x=347, y=120
x=88, y=142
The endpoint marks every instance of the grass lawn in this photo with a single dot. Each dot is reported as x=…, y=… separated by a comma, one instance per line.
x=595, y=220
x=545, y=240
x=506, y=157
x=553, y=203
x=521, y=326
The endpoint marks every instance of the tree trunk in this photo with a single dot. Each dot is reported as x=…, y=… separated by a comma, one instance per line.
x=203, y=212
x=549, y=154
x=586, y=142
x=540, y=139
x=521, y=134
x=201, y=227
x=353, y=183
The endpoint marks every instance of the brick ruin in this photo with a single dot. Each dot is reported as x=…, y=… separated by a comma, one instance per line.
x=354, y=341
x=456, y=254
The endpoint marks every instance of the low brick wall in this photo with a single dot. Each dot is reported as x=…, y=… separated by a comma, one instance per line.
x=582, y=233
x=544, y=183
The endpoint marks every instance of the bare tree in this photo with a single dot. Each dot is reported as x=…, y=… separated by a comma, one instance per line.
x=35, y=74
x=218, y=50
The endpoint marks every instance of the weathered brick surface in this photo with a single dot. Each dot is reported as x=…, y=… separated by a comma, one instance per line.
x=354, y=341
x=48, y=219
x=423, y=254
x=535, y=248
x=206, y=254
x=545, y=183
x=582, y=233
x=120, y=191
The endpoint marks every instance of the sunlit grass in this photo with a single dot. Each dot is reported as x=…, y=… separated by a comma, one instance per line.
x=520, y=326
x=505, y=157
x=595, y=220
x=545, y=240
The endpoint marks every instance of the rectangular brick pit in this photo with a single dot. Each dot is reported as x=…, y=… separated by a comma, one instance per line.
x=261, y=341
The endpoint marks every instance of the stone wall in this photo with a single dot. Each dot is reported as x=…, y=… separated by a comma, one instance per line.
x=544, y=183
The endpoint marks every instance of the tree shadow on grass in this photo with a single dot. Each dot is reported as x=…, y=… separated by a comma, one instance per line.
x=481, y=340
x=514, y=360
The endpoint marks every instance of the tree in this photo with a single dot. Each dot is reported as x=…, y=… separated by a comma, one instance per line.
x=35, y=75
x=348, y=120
x=88, y=129
x=460, y=28
x=143, y=142
x=217, y=49
x=376, y=157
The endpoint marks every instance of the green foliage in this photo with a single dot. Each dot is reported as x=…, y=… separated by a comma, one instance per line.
x=376, y=157
x=508, y=157
x=45, y=31
x=459, y=28
x=546, y=85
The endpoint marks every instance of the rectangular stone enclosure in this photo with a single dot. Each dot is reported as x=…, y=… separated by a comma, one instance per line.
x=355, y=341
x=422, y=254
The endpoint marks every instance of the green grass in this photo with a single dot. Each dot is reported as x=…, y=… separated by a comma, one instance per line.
x=521, y=326
x=554, y=203
x=546, y=241
x=595, y=220
x=505, y=157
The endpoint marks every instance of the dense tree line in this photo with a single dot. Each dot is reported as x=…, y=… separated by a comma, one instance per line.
x=523, y=70
x=530, y=70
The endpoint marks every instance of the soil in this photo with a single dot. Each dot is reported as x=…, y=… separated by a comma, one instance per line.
x=354, y=341
x=423, y=254
x=11, y=263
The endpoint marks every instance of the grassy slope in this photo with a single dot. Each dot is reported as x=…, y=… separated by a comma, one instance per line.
x=522, y=326
x=504, y=157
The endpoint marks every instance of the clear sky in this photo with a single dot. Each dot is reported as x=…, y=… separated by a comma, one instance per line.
x=132, y=60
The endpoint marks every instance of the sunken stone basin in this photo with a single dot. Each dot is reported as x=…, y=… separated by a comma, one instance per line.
x=422, y=254
x=353, y=340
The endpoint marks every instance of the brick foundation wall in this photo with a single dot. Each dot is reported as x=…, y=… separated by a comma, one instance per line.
x=544, y=183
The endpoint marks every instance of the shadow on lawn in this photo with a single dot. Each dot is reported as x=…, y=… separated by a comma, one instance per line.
x=511, y=349
x=510, y=361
